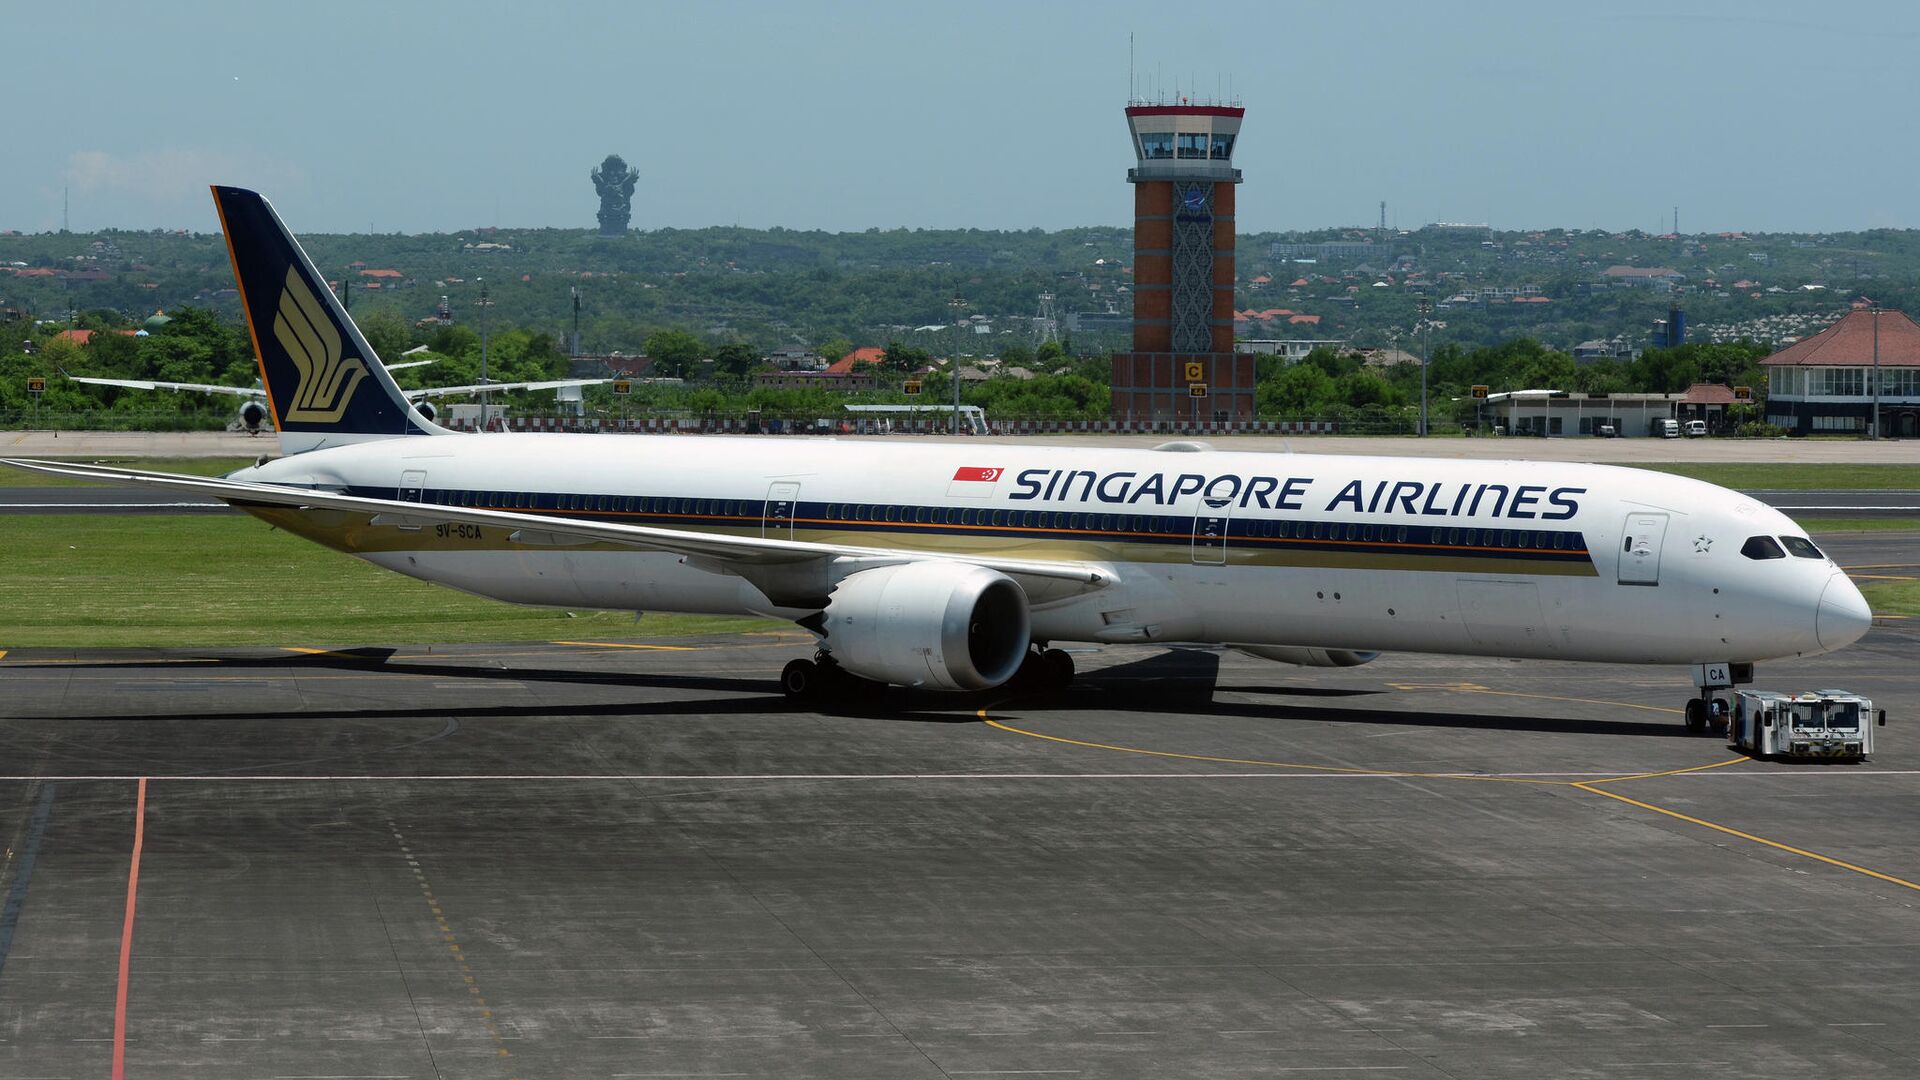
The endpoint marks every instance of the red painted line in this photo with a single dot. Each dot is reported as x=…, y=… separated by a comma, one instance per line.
x=126, y=936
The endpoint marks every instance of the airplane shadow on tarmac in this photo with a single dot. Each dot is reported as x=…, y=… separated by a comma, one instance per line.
x=1182, y=682
x=1177, y=683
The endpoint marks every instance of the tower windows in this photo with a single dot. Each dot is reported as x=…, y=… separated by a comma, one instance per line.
x=1156, y=145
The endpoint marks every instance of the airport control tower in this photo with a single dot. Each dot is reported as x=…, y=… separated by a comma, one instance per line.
x=1183, y=366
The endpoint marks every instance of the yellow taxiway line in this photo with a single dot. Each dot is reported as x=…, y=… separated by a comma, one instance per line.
x=1716, y=827
x=1590, y=786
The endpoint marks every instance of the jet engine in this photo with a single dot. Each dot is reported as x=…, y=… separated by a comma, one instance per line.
x=426, y=409
x=253, y=415
x=939, y=625
x=1306, y=657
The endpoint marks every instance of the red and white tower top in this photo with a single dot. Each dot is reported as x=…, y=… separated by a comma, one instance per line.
x=1184, y=141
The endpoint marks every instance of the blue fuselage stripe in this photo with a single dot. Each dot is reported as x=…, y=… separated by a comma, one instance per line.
x=1258, y=533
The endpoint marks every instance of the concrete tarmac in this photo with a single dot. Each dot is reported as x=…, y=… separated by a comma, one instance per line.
x=611, y=860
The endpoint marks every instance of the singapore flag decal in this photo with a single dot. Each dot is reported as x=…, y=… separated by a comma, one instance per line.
x=973, y=482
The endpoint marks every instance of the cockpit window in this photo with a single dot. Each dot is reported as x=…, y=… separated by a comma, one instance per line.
x=1802, y=547
x=1762, y=547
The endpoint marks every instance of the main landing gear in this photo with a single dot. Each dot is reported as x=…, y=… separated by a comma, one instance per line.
x=822, y=679
x=1044, y=671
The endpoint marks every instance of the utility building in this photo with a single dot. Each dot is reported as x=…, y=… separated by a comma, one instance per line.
x=1183, y=366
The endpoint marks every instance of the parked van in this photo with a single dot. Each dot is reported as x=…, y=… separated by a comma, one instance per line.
x=1696, y=429
x=1667, y=429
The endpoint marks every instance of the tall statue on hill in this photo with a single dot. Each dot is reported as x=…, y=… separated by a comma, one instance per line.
x=614, y=181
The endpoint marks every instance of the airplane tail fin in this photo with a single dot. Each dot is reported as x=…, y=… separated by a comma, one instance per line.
x=325, y=386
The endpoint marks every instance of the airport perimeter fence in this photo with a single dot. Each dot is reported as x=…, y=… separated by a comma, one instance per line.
x=115, y=420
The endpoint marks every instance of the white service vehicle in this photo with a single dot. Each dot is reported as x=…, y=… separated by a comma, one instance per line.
x=1818, y=724
x=1667, y=429
x=1696, y=429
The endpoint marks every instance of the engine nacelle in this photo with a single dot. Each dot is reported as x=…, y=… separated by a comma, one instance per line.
x=1306, y=657
x=939, y=625
x=253, y=415
x=426, y=409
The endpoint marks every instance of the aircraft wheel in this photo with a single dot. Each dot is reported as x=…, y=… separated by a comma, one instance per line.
x=800, y=679
x=1696, y=716
x=1059, y=668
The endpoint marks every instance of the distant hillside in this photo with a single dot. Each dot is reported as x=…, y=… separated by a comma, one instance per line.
x=777, y=287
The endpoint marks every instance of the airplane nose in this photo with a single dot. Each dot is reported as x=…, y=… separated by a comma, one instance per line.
x=1843, y=617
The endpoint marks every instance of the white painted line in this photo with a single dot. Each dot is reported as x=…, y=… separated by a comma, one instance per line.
x=1289, y=773
x=1723, y=1026
x=111, y=506
x=1127, y=1033
x=1301, y=772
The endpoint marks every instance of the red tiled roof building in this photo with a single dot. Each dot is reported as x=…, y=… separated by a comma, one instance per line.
x=1825, y=383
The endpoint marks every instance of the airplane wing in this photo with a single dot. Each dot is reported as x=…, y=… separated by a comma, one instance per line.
x=769, y=563
x=410, y=363
x=474, y=388
x=148, y=384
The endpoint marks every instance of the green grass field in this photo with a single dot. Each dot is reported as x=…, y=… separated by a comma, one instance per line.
x=1817, y=525
x=1892, y=597
x=164, y=580
x=1817, y=476
x=189, y=466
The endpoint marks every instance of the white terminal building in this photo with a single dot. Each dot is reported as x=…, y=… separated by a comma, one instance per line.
x=1555, y=413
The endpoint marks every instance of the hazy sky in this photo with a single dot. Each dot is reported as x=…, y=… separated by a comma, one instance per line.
x=405, y=116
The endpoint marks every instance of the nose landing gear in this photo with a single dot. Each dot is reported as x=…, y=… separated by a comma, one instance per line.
x=1706, y=713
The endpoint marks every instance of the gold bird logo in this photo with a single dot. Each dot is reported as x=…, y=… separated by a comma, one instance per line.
x=327, y=375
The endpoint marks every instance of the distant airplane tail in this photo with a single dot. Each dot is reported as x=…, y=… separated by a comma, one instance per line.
x=325, y=386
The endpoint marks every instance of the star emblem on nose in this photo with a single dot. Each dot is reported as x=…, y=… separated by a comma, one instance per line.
x=1703, y=544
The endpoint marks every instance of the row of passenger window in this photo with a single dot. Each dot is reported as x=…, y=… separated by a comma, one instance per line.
x=610, y=504
x=1525, y=539
x=1025, y=519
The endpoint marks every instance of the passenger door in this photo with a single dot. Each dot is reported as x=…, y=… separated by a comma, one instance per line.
x=413, y=486
x=783, y=497
x=1641, y=540
x=1210, y=521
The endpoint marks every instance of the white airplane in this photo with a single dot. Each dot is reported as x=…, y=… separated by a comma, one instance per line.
x=957, y=566
x=253, y=411
x=253, y=415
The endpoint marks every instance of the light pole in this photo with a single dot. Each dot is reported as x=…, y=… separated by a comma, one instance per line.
x=483, y=304
x=1425, y=308
x=1875, y=308
x=959, y=306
